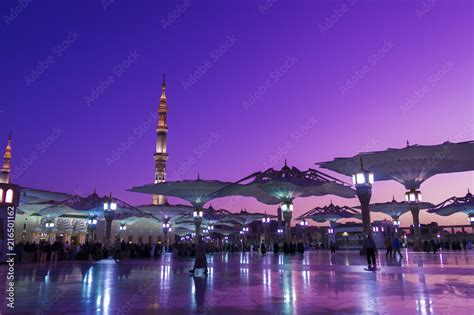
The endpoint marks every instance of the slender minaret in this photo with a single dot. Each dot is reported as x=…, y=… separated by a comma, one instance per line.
x=161, y=156
x=5, y=178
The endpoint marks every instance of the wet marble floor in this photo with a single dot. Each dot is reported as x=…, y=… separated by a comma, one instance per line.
x=315, y=283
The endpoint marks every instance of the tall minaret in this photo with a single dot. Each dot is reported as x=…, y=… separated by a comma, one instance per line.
x=161, y=156
x=5, y=178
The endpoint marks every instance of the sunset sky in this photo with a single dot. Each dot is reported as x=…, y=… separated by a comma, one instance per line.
x=249, y=83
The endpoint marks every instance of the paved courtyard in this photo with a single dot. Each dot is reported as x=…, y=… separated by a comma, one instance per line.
x=243, y=284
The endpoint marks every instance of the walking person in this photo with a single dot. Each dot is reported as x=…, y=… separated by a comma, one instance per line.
x=333, y=248
x=201, y=261
x=370, y=248
x=263, y=248
x=396, y=247
x=388, y=246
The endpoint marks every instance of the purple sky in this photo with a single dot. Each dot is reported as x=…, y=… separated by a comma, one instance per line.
x=249, y=83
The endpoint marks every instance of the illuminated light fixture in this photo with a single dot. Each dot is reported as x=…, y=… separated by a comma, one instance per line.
x=304, y=223
x=92, y=221
x=287, y=207
x=471, y=219
x=211, y=227
x=9, y=196
x=280, y=231
x=330, y=230
x=265, y=220
x=123, y=227
x=166, y=225
x=49, y=225
x=110, y=205
x=375, y=229
x=438, y=236
x=197, y=213
x=413, y=196
x=345, y=234
x=245, y=229
x=363, y=177
x=396, y=222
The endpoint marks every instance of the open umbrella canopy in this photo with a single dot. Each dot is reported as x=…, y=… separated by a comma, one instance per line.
x=30, y=196
x=455, y=204
x=411, y=165
x=166, y=211
x=289, y=183
x=395, y=208
x=329, y=213
x=199, y=192
x=245, y=218
x=32, y=201
x=92, y=205
x=211, y=216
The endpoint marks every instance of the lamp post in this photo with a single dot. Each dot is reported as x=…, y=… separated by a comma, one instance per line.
x=363, y=181
x=413, y=196
x=197, y=215
x=166, y=230
x=49, y=227
x=265, y=223
x=287, y=209
x=279, y=232
x=91, y=225
x=122, y=229
x=331, y=234
x=109, y=214
x=304, y=224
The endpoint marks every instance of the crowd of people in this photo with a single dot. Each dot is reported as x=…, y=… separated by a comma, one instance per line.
x=91, y=251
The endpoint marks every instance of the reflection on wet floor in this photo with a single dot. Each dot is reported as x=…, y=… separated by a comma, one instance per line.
x=250, y=283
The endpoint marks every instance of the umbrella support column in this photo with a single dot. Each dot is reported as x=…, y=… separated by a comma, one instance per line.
x=287, y=215
x=364, y=194
x=415, y=211
x=108, y=228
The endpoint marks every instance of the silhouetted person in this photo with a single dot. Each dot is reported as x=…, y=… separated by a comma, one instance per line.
x=200, y=251
x=388, y=246
x=263, y=248
x=300, y=248
x=286, y=248
x=276, y=248
x=396, y=247
x=332, y=246
x=370, y=249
